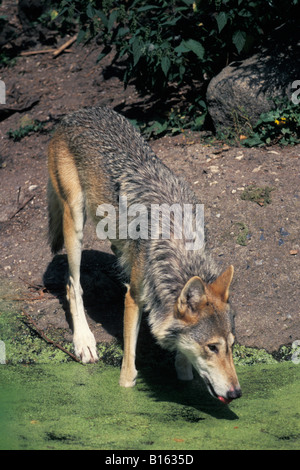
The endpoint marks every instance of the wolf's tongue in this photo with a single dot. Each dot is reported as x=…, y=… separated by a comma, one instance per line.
x=226, y=401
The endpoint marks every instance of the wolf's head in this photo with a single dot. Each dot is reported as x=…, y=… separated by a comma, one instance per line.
x=207, y=336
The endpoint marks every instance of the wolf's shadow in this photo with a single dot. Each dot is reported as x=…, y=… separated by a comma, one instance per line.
x=193, y=396
x=103, y=288
x=103, y=295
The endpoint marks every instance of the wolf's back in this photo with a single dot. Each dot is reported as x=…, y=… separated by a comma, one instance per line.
x=109, y=149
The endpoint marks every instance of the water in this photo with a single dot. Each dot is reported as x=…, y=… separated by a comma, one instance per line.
x=71, y=406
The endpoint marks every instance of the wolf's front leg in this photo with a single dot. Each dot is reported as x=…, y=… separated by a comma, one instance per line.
x=83, y=339
x=132, y=320
x=183, y=367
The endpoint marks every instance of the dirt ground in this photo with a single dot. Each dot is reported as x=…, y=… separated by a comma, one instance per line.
x=265, y=292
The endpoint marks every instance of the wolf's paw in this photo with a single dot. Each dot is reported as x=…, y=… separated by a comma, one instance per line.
x=127, y=380
x=127, y=383
x=85, y=348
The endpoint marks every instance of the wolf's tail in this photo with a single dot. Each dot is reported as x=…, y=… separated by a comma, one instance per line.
x=55, y=227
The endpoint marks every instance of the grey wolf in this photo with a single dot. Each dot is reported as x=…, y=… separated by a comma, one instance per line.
x=95, y=157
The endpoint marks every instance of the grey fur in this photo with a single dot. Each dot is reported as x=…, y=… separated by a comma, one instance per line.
x=101, y=139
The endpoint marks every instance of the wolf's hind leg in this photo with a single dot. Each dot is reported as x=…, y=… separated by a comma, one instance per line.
x=83, y=338
x=132, y=320
x=183, y=367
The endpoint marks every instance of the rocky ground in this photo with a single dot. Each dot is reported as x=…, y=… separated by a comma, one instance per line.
x=259, y=237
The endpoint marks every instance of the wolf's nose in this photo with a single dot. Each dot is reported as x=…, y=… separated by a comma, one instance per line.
x=234, y=393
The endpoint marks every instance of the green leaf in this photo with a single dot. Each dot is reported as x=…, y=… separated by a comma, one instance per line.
x=104, y=53
x=181, y=71
x=122, y=31
x=221, y=20
x=181, y=48
x=147, y=7
x=90, y=11
x=252, y=141
x=195, y=47
x=102, y=16
x=137, y=46
x=199, y=121
x=165, y=65
x=112, y=19
x=239, y=40
x=157, y=128
x=81, y=36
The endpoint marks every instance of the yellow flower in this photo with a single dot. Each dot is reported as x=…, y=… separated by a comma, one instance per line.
x=280, y=121
x=53, y=14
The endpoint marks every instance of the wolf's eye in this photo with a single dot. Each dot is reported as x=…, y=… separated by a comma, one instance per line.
x=213, y=348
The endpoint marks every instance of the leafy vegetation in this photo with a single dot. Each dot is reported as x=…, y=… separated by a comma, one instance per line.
x=171, y=49
x=168, y=46
x=23, y=131
x=183, y=116
x=279, y=126
x=243, y=230
x=178, y=40
x=260, y=195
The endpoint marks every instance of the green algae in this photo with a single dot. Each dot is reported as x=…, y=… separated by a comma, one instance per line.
x=25, y=346
x=47, y=401
x=71, y=406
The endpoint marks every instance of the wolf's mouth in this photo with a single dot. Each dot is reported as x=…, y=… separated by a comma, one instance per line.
x=211, y=390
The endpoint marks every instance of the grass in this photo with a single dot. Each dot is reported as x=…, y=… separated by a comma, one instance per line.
x=260, y=195
x=243, y=232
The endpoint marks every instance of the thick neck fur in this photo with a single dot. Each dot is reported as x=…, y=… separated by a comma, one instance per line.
x=169, y=266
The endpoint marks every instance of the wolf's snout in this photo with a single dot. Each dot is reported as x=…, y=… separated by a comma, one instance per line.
x=234, y=393
x=231, y=395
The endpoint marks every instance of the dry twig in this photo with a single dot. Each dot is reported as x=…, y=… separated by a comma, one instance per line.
x=64, y=46
x=21, y=207
x=48, y=340
x=42, y=51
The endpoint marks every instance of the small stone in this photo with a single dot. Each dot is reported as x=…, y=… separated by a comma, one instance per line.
x=283, y=232
x=257, y=169
x=214, y=168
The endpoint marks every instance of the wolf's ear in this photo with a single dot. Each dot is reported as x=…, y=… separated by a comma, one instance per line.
x=220, y=286
x=190, y=298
